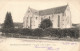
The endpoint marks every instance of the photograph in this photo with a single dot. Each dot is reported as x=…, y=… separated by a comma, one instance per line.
x=39, y=25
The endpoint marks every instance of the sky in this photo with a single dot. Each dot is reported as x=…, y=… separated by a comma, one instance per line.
x=18, y=8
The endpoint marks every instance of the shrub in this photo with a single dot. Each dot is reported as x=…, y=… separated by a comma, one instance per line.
x=38, y=32
x=16, y=30
x=64, y=32
x=50, y=32
x=9, y=30
x=25, y=31
x=72, y=32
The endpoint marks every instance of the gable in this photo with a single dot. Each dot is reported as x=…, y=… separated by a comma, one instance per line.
x=30, y=10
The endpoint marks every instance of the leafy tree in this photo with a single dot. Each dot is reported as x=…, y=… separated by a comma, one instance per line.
x=46, y=23
x=8, y=25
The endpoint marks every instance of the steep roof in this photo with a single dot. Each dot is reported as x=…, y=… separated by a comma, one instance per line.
x=56, y=10
x=34, y=11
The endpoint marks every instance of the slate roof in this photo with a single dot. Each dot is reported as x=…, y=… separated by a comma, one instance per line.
x=55, y=10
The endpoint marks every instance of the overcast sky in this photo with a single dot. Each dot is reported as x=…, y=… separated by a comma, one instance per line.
x=18, y=8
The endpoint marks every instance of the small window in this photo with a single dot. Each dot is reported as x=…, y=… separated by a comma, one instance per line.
x=31, y=17
x=62, y=24
x=35, y=12
x=49, y=17
x=28, y=11
x=64, y=14
x=27, y=17
x=36, y=17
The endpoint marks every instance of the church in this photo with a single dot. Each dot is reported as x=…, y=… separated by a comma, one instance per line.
x=59, y=16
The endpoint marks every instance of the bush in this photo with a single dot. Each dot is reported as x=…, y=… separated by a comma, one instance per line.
x=38, y=32
x=50, y=32
x=25, y=31
x=72, y=32
x=16, y=30
x=9, y=30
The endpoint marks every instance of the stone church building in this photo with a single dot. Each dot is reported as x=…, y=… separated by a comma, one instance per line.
x=60, y=17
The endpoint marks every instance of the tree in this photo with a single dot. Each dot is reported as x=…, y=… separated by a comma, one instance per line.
x=46, y=23
x=8, y=23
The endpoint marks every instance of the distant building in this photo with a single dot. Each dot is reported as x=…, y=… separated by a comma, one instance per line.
x=76, y=25
x=16, y=25
x=60, y=17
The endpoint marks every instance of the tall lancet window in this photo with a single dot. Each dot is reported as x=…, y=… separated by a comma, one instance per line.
x=58, y=20
x=27, y=19
x=36, y=18
x=30, y=22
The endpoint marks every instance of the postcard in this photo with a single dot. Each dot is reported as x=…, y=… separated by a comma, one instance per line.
x=39, y=25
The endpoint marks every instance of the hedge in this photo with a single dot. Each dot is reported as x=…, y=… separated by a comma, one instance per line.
x=37, y=32
x=72, y=32
x=25, y=31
